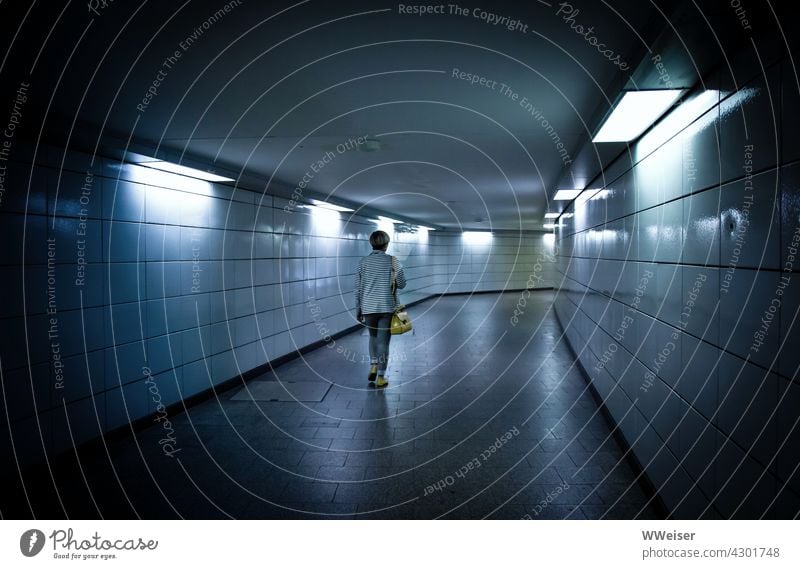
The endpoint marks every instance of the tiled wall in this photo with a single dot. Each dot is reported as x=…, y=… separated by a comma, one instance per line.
x=507, y=261
x=125, y=288
x=679, y=291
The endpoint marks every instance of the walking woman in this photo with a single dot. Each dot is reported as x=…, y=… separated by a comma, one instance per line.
x=376, y=301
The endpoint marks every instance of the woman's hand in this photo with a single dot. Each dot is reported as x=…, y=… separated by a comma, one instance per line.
x=359, y=316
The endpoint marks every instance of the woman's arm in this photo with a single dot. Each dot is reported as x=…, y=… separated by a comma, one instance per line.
x=399, y=275
x=358, y=291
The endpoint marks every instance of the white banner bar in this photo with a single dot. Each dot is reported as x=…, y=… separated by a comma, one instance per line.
x=389, y=544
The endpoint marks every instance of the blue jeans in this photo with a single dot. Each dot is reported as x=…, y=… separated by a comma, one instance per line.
x=379, y=338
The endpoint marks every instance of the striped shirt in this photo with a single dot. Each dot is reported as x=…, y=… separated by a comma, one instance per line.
x=374, y=283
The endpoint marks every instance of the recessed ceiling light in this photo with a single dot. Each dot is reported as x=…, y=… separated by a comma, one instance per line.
x=328, y=205
x=551, y=215
x=324, y=213
x=551, y=225
x=165, y=166
x=388, y=219
x=634, y=113
x=565, y=195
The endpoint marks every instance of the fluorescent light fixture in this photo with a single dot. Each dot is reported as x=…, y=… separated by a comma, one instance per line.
x=566, y=215
x=566, y=195
x=425, y=228
x=551, y=215
x=388, y=219
x=635, y=112
x=328, y=205
x=320, y=211
x=165, y=166
x=477, y=237
x=552, y=225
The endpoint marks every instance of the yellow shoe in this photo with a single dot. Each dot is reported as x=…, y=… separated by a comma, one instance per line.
x=381, y=381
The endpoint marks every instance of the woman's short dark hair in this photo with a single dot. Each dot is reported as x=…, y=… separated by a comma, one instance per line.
x=379, y=239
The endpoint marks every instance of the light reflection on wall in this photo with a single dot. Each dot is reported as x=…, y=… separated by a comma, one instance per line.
x=327, y=222
x=477, y=237
x=579, y=206
x=737, y=100
x=663, y=232
x=602, y=235
x=705, y=228
x=174, y=197
x=676, y=121
x=384, y=225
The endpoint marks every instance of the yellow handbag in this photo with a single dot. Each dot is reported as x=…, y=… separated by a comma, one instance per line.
x=401, y=321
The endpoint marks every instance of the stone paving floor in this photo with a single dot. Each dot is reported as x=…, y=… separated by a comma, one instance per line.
x=482, y=419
